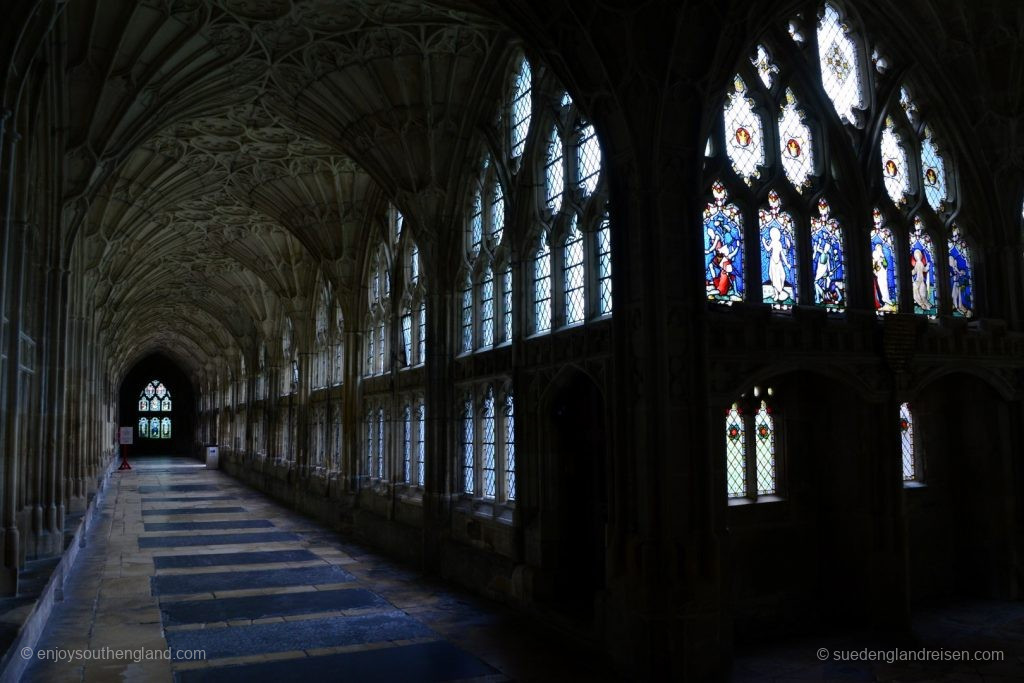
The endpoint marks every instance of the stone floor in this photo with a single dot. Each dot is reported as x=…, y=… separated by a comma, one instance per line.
x=183, y=559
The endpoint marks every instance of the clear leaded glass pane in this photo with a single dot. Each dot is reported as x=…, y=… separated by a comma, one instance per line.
x=407, y=445
x=589, y=159
x=487, y=445
x=884, y=265
x=933, y=172
x=487, y=309
x=380, y=347
x=829, y=259
x=764, y=427
x=369, y=443
x=407, y=337
x=604, y=268
x=467, y=446
x=922, y=270
x=894, y=164
x=572, y=270
x=476, y=224
x=723, y=248
x=497, y=217
x=907, y=439
x=380, y=443
x=744, y=138
x=506, y=303
x=795, y=146
x=554, y=173
x=960, y=280
x=735, y=454
x=466, y=344
x=510, y=449
x=542, y=288
x=778, y=255
x=840, y=64
x=521, y=107
x=420, y=442
x=767, y=70
x=421, y=353
x=371, y=352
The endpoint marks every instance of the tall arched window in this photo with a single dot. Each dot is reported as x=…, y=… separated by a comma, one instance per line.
x=321, y=336
x=751, y=447
x=908, y=443
x=378, y=315
x=154, y=407
x=771, y=157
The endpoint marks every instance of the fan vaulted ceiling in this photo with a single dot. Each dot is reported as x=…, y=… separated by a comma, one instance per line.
x=225, y=156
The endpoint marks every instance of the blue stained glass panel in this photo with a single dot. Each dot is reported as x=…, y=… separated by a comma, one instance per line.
x=922, y=271
x=829, y=260
x=778, y=255
x=961, y=286
x=723, y=248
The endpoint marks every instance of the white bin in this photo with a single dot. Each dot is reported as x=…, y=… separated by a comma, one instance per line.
x=212, y=456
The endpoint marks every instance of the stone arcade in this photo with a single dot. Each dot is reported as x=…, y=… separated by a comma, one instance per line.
x=681, y=326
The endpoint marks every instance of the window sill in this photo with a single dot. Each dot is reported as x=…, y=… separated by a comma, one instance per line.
x=914, y=485
x=741, y=502
x=502, y=513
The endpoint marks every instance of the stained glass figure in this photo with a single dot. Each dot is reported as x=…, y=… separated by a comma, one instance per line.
x=907, y=440
x=735, y=454
x=894, y=164
x=744, y=139
x=149, y=390
x=165, y=428
x=829, y=260
x=795, y=146
x=766, y=69
x=154, y=428
x=723, y=248
x=778, y=255
x=885, y=276
x=143, y=428
x=840, y=64
x=960, y=275
x=933, y=172
x=165, y=405
x=922, y=270
x=161, y=391
x=764, y=450
x=908, y=105
x=143, y=405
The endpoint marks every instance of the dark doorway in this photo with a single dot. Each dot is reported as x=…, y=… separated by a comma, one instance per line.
x=578, y=439
x=178, y=420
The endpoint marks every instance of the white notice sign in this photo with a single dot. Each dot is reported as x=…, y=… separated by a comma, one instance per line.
x=125, y=435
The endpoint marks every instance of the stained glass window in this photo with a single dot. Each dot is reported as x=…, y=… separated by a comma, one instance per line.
x=604, y=268
x=909, y=108
x=467, y=446
x=907, y=439
x=542, y=287
x=554, y=174
x=764, y=426
x=510, y=448
x=572, y=271
x=521, y=107
x=829, y=258
x=487, y=309
x=487, y=445
x=766, y=69
x=840, y=63
x=744, y=139
x=723, y=248
x=933, y=172
x=735, y=453
x=960, y=279
x=885, y=277
x=922, y=270
x=154, y=398
x=894, y=164
x=795, y=146
x=778, y=255
x=589, y=159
